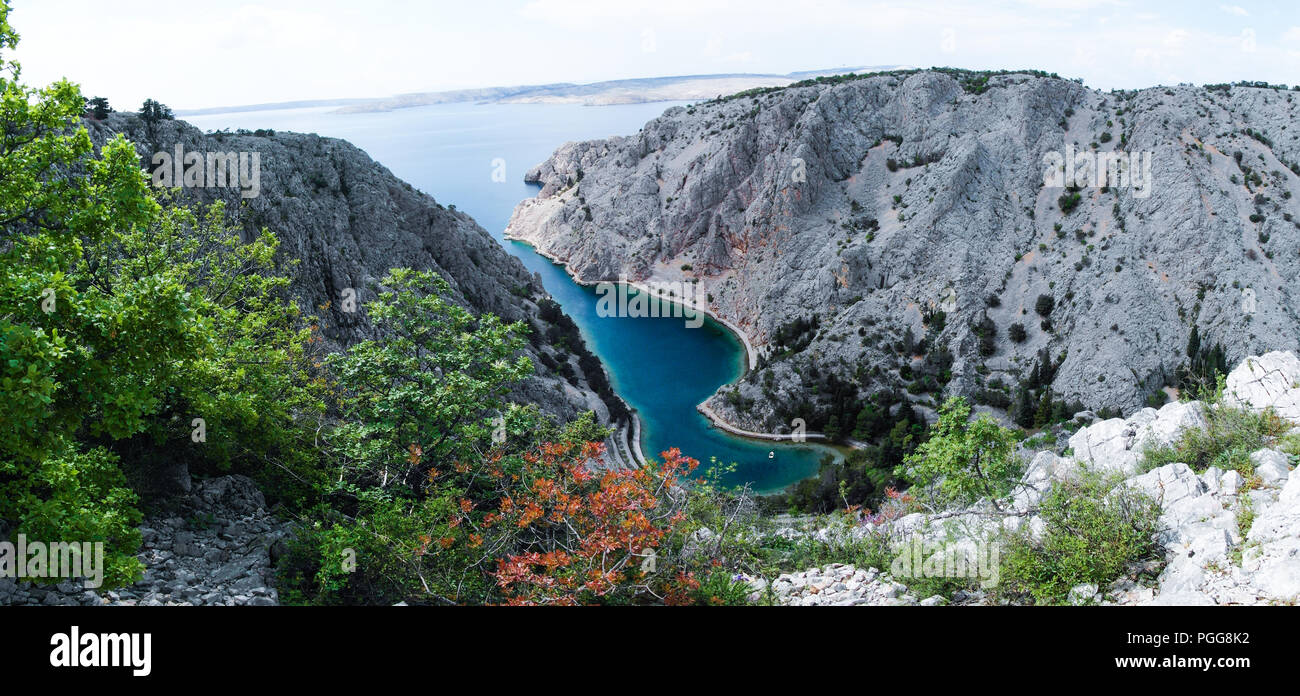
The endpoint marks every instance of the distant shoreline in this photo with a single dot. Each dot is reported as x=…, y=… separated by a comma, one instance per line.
x=640, y=90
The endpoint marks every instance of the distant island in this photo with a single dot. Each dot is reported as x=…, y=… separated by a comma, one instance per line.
x=633, y=91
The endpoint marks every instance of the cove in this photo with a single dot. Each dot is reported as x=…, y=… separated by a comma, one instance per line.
x=657, y=365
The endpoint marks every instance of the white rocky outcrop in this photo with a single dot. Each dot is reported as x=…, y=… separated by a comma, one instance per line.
x=836, y=584
x=1227, y=538
x=1271, y=380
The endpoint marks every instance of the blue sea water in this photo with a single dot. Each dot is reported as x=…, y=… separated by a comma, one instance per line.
x=659, y=366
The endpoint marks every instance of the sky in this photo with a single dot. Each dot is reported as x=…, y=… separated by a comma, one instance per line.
x=203, y=54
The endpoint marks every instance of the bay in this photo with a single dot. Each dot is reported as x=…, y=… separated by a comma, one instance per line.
x=474, y=156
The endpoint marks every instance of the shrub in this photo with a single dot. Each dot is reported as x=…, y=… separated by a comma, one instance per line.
x=445, y=494
x=964, y=460
x=1068, y=201
x=1232, y=434
x=86, y=357
x=1093, y=531
x=1017, y=332
x=1044, y=305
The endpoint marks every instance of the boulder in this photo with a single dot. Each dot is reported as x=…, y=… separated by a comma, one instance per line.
x=1271, y=466
x=1107, y=446
x=1271, y=380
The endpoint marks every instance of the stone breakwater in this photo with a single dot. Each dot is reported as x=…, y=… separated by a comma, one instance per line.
x=1229, y=538
x=216, y=550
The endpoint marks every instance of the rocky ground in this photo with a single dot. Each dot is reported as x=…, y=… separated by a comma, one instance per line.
x=837, y=585
x=214, y=549
x=1228, y=539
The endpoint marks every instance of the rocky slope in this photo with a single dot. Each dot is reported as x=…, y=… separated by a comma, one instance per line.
x=215, y=548
x=902, y=208
x=346, y=220
x=1227, y=538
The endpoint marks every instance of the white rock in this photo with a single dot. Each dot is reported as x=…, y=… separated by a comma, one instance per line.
x=1271, y=466
x=1107, y=446
x=1211, y=479
x=1083, y=594
x=1230, y=484
x=1169, y=484
x=1169, y=423
x=1291, y=492
x=1270, y=380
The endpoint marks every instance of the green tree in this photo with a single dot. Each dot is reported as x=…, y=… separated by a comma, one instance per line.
x=253, y=374
x=1044, y=305
x=152, y=112
x=1016, y=332
x=78, y=364
x=417, y=409
x=964, y=459
x=430, y=380
x=122, y=318
x=99, y=108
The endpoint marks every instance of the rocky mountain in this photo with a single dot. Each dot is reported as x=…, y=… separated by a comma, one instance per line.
x=347, y=220
x=915, y=232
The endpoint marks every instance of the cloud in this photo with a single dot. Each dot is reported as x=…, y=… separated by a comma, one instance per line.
x=1237, y=10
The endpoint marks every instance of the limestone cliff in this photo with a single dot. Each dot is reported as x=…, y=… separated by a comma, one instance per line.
x=347, y=220
x=900, y=209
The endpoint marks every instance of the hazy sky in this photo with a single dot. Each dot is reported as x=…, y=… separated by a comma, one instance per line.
x=199, y=54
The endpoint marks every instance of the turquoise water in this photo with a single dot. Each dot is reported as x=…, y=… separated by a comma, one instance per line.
x=658, y=365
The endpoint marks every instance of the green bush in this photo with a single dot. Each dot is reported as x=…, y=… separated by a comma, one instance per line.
x=1044, y=305
x=83, y=361
x=1232, y=434
x=964, y=459
x=123, y=317
x=1094, y=528
x=1069, y=201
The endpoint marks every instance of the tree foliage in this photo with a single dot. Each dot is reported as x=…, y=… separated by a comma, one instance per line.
x=964, y=459
x=122, y=317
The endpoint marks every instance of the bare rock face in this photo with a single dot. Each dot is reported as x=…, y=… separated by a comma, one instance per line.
x=347, y=220
x=876, y=204
x=1268, y=381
